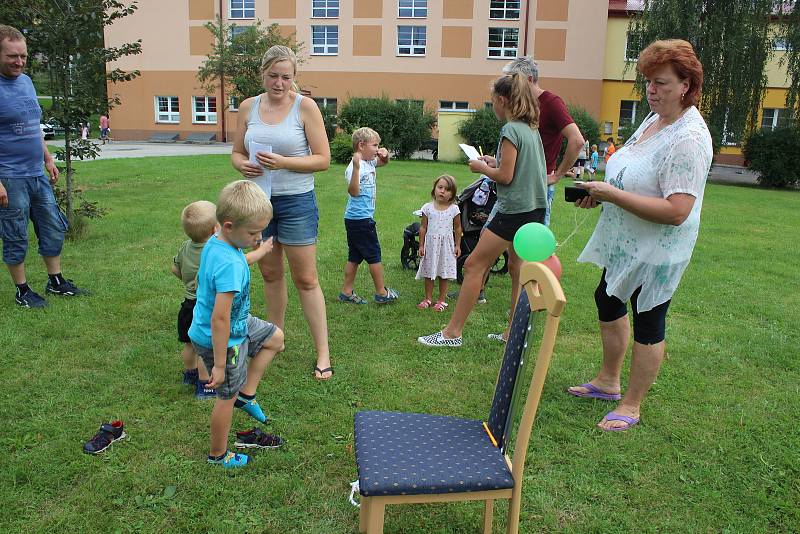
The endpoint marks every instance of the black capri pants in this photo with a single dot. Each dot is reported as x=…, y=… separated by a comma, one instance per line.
x=648, y=327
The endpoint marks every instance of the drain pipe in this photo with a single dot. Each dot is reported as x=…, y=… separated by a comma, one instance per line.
x=527, y=13
x=223, y=106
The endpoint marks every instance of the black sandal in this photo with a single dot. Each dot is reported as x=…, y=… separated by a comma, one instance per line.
x=322, y=372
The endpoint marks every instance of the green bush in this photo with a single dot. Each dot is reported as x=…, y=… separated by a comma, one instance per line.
x=342, y=148
x=587, y=124
x=482, y=129
x=767, y=153
x=404, y=127
x=329, y=120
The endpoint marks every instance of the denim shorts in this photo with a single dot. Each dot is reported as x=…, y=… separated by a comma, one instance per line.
x=238, y=357
x=30, y=198
x=362, y=241
x=295, y=219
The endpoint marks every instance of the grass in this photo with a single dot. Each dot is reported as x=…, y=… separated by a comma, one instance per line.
x=716, y=450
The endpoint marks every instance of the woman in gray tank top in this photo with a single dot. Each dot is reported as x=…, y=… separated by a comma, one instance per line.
x=286, y=132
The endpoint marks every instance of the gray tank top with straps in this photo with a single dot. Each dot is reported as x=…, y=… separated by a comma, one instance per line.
x=288, y=138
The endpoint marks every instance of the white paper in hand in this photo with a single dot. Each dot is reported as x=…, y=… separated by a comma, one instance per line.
x=264, y=181
x=470, y=151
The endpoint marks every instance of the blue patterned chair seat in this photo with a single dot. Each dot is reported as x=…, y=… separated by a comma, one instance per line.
x=410, y=453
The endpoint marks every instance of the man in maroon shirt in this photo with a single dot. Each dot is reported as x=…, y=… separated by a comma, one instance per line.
x=555, y=123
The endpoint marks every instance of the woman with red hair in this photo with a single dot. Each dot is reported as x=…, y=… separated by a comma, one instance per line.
x=652, y=196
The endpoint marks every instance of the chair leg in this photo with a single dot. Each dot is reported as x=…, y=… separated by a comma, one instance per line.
x=488, y=516
x=375, y=517
x=363, y=514
x=513, y=512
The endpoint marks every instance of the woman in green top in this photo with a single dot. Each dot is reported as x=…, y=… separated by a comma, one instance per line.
x=521, y=177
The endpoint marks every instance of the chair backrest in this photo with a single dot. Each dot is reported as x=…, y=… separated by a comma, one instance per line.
x=541, y=293
x=501, y=412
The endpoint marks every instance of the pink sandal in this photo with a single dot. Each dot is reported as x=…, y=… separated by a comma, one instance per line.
x=440, y=306
x=424, y=305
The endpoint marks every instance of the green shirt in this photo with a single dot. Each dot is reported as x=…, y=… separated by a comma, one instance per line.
x=528, y=188
x=188, y=261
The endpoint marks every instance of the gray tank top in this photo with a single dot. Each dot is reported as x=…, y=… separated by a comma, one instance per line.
x=287, y=139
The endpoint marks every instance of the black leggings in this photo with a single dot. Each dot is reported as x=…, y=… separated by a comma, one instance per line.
x=648, y=327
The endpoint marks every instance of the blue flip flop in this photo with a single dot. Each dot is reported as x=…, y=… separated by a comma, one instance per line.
x=595, y=393
x=611, y=416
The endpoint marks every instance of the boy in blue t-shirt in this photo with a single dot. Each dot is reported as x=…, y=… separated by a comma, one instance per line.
x=362, y=234
x=235, y=347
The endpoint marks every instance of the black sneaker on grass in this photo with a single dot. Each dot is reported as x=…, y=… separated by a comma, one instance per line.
x=30, y=299
x=66, y=289
x=108, y=434
x=257, y=439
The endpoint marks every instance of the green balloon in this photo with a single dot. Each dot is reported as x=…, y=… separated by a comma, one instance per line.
x=534, y=242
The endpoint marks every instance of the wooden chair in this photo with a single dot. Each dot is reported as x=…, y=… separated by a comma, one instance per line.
x=408, y=458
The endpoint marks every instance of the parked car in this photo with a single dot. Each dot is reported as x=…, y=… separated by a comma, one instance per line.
x=48, y=131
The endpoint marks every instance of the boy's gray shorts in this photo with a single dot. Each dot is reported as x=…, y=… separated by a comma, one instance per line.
x=258, y=333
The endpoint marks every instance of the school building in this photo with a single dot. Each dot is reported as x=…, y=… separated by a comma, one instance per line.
x=444, y=53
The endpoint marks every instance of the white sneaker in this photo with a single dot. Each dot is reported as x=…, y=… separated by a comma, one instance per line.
x=438, y=340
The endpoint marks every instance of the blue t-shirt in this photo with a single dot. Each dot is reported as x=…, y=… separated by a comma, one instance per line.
x=362, y=206
x=223, y=269
x=594, y=160
x=22, y=152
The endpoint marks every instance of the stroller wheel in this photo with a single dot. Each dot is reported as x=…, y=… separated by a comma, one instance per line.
x=408, y=257
x=500, y=264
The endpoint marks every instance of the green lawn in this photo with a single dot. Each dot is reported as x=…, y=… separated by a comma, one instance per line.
x=717, y=449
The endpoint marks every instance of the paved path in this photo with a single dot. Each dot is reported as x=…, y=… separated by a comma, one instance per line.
x=726, y=174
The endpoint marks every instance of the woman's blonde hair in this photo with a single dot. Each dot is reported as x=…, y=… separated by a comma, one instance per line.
x=522, y=105
x=279, y=53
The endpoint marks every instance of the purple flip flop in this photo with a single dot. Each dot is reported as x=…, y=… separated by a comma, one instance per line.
x=611, y=416
x=595, y=393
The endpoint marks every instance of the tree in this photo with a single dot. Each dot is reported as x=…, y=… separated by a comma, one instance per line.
x=482, y=129
x=236, y=57
x=733, y=40
x=67, y=35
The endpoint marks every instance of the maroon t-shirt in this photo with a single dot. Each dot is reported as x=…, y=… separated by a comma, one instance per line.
x=553, y=117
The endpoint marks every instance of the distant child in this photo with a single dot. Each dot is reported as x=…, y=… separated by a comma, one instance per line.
x=199, y=221
x=440, y=241
x=235, y=346
x=85, y=131
x=610, y=149
x=362, y=234
x=581, y=162
x=593, y=160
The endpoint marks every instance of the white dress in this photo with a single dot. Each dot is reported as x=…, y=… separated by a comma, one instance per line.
x=439, y=260
x=636, y=252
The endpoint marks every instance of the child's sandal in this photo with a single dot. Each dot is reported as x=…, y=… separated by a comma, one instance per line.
x=424, y=305
x=440, y=306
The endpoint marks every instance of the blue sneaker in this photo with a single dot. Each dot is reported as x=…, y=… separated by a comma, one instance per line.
x=253, y=409
x=231, y=460
x=190, y=377
x=203, y=392
x=391, y=296
x=30, y=299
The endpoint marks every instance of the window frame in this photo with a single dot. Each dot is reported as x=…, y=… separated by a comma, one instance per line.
x=780, y=118
x=326, y=47
x=503, y=48
x=233, y=103
x=172, y=116
x=412, y=48
x=326, y=102
x=248, y=7
x=454, y=105
x=625, y=121
x=210, y=117
x=418, y=9
x=326, y=10
x=504, y=9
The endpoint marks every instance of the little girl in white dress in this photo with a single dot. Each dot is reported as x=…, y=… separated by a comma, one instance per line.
x=440, y=241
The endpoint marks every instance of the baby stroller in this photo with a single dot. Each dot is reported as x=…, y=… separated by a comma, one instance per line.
x=475, y=202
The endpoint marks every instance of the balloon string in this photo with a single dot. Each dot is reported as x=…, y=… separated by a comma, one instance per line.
x=577, y=227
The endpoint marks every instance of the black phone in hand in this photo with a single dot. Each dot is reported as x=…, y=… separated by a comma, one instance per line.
x=572, y=194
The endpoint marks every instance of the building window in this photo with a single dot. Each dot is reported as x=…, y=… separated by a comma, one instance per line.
x=411, y=40
x=776, y=118
x=415, y=9
x=242, y=9
x=204, y=110
x=627, y=113
x=607, y=127
x=633, y=46
x=326, y=102
x=503, y=42
x=236, y=31
x=325, y=40
x=325, y=9
x=504, y=9
x=233, y=103
x=779, y=45
x=167, y=110
x=452, y=104
x=411, y=102
x=488, y=105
